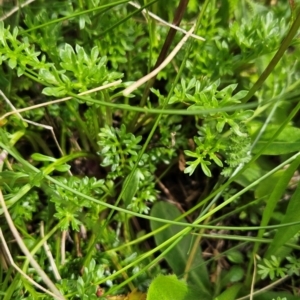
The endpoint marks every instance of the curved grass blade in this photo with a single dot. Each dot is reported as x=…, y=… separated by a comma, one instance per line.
x=178, y=256
x=283, y=235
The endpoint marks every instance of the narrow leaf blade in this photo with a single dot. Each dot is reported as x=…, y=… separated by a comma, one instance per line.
x=131, y=187
x=284, y=234
x=178, y=256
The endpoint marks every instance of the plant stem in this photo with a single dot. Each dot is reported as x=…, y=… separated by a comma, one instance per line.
x=283, y=47
x=163, y=53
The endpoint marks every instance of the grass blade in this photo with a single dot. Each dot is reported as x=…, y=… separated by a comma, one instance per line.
x=178, y=256
x=283, y=235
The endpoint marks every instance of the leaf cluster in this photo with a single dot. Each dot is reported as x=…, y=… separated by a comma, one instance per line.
x=94, y=177
x=119, y=150
x=220, y=132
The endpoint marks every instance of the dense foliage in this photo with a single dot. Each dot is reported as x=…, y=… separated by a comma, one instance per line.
x=185, y=187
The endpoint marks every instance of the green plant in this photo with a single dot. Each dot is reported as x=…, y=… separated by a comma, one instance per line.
x=271, y=268
x=221, y=132
x=174, y=187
